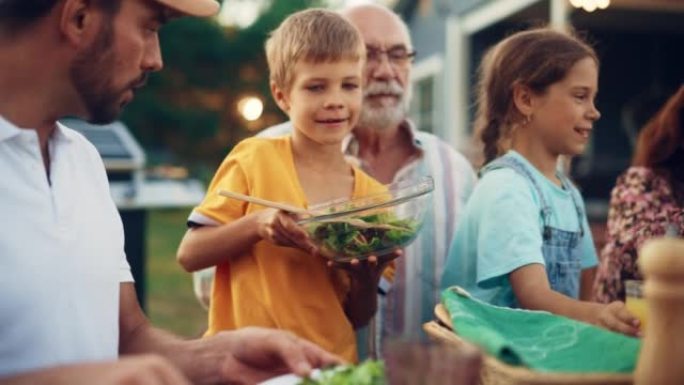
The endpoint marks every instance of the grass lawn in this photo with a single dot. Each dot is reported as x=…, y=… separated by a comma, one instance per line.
x=171, y=303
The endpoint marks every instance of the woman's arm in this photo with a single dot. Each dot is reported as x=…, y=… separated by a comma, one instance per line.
x=635, y=215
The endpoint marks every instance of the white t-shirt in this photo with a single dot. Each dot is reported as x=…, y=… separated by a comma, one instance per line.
x=61, y=253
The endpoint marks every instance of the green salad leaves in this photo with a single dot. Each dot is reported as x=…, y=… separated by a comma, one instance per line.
x=363, y=235
x=367, y=373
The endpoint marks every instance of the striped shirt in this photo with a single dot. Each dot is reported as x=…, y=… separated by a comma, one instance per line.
x=409, y=301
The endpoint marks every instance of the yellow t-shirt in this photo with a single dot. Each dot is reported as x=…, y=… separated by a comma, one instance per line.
x=273, y=286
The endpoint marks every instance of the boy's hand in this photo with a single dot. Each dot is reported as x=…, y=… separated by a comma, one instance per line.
x=615, y=316
x=280, y=228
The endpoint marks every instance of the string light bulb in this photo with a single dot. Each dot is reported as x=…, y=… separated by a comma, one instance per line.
x=251, y=108
x=602, y=4
x=590, y=5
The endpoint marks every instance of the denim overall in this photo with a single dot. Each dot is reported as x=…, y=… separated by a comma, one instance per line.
x=560, y=248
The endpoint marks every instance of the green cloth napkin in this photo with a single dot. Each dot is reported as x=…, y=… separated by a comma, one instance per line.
x=539, y=340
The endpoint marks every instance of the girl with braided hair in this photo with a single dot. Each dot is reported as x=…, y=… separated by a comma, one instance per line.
x=524, y=238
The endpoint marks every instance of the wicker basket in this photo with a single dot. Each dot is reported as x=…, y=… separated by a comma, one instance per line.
x=495, y=372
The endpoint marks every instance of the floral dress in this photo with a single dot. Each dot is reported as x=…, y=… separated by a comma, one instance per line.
x=642, y=207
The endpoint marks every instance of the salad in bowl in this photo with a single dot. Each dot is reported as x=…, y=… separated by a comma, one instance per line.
x=372, y=225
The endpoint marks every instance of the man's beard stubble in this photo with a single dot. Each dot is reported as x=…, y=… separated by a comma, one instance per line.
x=384, y=117
x=91, y=74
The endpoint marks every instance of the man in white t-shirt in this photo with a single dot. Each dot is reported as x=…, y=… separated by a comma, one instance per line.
x=68, y=308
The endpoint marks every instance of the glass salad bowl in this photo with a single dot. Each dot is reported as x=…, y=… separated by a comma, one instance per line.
x=371, y=225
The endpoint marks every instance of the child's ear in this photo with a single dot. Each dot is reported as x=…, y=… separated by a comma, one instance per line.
x=523, y=99
x=280, y=97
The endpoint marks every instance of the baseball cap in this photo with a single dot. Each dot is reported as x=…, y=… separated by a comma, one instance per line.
x=199, y=8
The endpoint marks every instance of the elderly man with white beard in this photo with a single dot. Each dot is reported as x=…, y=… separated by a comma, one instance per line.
x=388, y=147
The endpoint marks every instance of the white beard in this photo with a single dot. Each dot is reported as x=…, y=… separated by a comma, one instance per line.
x=384, y=117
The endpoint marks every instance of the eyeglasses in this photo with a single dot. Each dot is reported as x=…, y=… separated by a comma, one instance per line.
x=398, y=55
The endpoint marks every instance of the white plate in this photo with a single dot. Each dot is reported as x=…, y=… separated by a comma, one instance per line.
x=288, y=379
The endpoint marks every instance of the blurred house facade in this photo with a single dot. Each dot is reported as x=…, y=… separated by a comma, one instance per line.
x=640, y=43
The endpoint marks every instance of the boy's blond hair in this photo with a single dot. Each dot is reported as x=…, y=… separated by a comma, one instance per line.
x=313, y=35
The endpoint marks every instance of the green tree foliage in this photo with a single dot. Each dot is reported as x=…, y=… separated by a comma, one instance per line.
x=189, y=109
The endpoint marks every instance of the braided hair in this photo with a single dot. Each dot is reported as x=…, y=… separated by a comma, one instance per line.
x=535, y=58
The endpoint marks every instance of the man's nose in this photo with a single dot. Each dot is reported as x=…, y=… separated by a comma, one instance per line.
x=381, y=68
x=152, y=61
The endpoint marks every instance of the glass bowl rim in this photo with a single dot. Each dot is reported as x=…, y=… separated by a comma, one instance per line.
x=424, y=186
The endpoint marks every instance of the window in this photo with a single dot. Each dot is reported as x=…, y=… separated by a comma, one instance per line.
x=423, y=104
x=426, y=108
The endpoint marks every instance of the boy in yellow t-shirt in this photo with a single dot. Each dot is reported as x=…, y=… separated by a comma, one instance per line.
x=267, y=270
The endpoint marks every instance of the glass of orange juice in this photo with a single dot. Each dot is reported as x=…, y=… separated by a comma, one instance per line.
x=635, y=301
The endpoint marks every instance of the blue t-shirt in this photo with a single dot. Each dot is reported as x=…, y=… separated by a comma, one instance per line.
x=501, y=231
